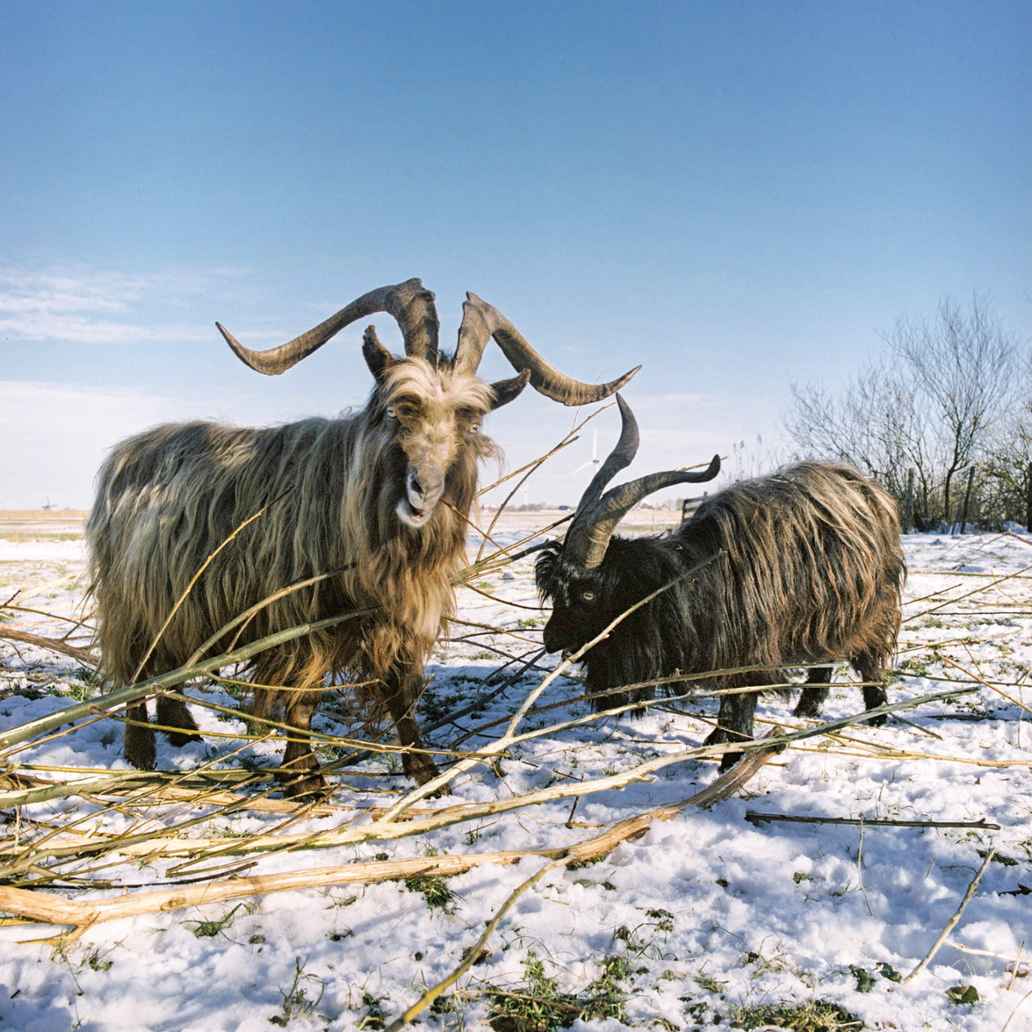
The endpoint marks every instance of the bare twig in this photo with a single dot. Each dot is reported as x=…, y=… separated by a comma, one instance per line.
x=755, y=817
x=952, y=922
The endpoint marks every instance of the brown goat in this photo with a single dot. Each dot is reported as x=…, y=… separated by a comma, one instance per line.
x=378, y=500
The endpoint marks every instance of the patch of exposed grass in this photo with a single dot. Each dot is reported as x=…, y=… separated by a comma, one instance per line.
x=815, y=1016
x=538, y=1005
x=435, y=891
x=296, y=1001
x=374, y=1018
x=209, y=929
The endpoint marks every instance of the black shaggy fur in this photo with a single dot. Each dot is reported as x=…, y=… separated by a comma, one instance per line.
x=804, y=567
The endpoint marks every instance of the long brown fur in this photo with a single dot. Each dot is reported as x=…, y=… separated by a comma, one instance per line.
x=168, y=497
x=812, y=565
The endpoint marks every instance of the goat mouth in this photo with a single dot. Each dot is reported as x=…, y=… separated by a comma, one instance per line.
x=411, y=516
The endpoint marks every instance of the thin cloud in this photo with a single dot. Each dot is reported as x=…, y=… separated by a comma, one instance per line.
x=89, y=306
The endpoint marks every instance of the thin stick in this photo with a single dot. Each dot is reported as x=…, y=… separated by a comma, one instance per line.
x=1013, y=961
x=42, y=612
x=473, y=954
x=59, y=645
x=992, y=686
x=755, y=817
x=144, y=689
x=1021, y=1003
x=952, y=922
x=258, y=606
x=976, y=591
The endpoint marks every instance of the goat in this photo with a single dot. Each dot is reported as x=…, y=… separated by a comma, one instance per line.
x=378, y=498
x=801, y=567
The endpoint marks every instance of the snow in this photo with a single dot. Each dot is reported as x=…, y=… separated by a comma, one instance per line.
x=716, y=915
x=40, y=550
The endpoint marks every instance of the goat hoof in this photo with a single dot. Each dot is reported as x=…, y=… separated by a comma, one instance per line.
x=807, y=710
x=879, y=720
x=140, y=752
x=728, y=760
x=181, y=738
x=420, y=768
x=720, y=735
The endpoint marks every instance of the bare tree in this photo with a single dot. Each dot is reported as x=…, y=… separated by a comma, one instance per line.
x=964, y=364
x=935, y=402
x=876, y=424
x=1007, y=463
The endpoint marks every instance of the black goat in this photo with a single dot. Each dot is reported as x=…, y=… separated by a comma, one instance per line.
x=804, y=566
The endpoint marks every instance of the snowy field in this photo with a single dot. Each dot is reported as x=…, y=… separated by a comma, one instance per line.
x=708, y=920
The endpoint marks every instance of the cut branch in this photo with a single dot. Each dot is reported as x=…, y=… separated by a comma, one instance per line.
x=81, y=915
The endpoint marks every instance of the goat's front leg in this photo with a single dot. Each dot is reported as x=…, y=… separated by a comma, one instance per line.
x=300, y=768
x=735, y=724
x=401, y=692
x=871, y=668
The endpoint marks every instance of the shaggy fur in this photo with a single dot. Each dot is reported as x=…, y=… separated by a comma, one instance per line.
x=809, y=569
x=168, y=497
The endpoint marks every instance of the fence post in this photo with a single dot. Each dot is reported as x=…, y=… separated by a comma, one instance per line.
x=967, y=499
x=908, y=503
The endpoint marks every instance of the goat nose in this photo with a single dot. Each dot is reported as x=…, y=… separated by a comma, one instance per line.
x=415, y=486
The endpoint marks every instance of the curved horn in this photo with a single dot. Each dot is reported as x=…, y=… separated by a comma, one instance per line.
x=410, y=303
x=481, y=321
x=589, y=548
x=598, y=514
x=619, y=458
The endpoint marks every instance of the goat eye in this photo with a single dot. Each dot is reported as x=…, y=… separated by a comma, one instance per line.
x=392, y=412
x=475, y=427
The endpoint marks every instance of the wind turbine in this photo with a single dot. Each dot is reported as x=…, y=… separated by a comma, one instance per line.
x=595, y=460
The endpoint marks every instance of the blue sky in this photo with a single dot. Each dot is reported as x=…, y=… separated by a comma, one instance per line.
x=737, y=195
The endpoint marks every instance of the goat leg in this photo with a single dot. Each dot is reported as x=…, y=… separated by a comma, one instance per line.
x=815, y=693
x=735, y=721
x=173, y=713
x=300, y=768
x=400, y=692
x=138, y=745
x=871, y=668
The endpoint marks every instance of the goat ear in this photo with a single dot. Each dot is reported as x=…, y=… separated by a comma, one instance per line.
x=508, y=390
x=377, y=357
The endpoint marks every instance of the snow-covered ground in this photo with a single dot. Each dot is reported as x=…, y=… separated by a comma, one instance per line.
x=707, y=920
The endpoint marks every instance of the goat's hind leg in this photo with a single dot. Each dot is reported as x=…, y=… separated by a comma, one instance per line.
x=815, y=692
x=138, y=742
x=871, y=668
x=173, y=713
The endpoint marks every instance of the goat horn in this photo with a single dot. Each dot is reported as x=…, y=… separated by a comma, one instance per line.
x=410, y=303
x=481, y=321
x=598, y=514
x=590, y=549
x=619, y=458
